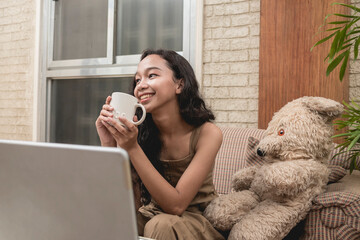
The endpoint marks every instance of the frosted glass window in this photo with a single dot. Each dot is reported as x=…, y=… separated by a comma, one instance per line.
x=145, y=24
x=80, y=29
x=76, y=104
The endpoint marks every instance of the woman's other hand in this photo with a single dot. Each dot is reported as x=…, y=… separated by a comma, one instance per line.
x=106, y=138
x=125, y=134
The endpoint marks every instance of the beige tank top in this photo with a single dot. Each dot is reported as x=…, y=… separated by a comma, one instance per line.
x=173, y=170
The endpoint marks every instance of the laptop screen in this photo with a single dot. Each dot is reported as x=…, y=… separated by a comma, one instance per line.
x=61, y=191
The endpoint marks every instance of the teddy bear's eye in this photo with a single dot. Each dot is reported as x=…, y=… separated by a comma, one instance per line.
x=281, y=132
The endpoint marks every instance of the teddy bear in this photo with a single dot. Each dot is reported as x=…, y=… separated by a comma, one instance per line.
x=267, y=201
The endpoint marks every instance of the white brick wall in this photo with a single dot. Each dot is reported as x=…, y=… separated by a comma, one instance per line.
x=17, y=31
x=231, y=60
x=354, y=71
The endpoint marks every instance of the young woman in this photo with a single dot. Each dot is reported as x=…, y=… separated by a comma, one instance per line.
x=173, y=150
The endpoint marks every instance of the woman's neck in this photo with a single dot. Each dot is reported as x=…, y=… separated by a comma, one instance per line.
x=171, y=124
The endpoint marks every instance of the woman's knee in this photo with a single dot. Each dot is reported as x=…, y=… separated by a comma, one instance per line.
x=161, y=224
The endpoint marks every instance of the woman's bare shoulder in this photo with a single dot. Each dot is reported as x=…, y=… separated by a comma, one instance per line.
x=210, y=131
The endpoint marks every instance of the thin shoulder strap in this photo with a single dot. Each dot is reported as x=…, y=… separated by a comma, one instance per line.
x=194, y=139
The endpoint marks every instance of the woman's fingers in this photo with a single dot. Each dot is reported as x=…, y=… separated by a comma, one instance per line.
x=110, y=125
x=104, y=119
x=135, y=118
x=107, y=105
x=128, y=125
x=108, y=100
x=106, y=113
x=115, y=127
x=124, y=132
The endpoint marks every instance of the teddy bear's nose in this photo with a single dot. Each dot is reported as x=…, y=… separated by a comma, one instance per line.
x=260, y=152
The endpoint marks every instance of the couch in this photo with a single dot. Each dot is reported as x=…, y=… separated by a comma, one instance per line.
x=335, y=214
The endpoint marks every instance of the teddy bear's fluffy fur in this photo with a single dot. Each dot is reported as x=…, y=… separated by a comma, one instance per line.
x=268, y=201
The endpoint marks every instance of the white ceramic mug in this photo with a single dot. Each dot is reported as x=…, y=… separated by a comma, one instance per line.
x=125, y=105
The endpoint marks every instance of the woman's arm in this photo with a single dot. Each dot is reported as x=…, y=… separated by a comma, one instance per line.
x=203, y=162
x=172, y=200
x=176, y=200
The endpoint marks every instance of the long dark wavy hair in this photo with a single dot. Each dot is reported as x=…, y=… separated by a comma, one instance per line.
x=192, y=109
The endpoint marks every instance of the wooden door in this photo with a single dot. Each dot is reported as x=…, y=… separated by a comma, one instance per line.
x=288, y=70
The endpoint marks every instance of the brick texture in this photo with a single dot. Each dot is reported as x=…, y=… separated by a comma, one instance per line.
x=354, y=71
x=17, y=33
x=231, y=60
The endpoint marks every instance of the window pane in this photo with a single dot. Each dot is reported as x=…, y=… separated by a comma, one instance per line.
x=145, y=24
x=75, y=105
x=80, y=29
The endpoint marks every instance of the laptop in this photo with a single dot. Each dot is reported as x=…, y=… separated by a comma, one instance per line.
x=65, y=192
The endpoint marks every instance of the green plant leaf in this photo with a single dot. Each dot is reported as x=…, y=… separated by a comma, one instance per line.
x=338, y=22
x=346, y=104
x=334, y=63
x=333, y=29
x=352, y=165
x=344, y=65
x=334, y=46
x=352, y=160
x=354, y=32
x=356, y=48
x=324, y=23
x=343, y=15
x=345, y=34
x=354, y=134
x=342, y=36
x=340, y=153
x=339, y=136
x=354, y=142
x=354, y=21
x=349, y=6
x=355, y=105
x=346, y=46
x=323, y=40
x=350, y=40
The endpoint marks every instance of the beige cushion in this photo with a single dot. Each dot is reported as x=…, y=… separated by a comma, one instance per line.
x=349, y=183
x=231, y=156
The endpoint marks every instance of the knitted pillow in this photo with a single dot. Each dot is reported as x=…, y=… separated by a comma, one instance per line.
x=335, y=214
x=252, y=159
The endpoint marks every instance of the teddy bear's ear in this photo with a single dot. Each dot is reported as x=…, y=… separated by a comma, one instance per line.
x=324, y=106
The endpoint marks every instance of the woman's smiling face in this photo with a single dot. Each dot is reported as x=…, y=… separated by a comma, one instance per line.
x=155, y=83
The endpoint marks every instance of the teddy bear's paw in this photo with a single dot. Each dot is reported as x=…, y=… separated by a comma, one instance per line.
x=269, y=220
x=289, y=179
x=243, y=178
x=226, y=210
x=239, y=233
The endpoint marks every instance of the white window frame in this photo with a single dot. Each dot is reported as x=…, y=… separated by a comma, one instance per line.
x=81, y=62
x=110, y=66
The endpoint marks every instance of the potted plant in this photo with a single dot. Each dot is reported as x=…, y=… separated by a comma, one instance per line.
x=344, y=36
